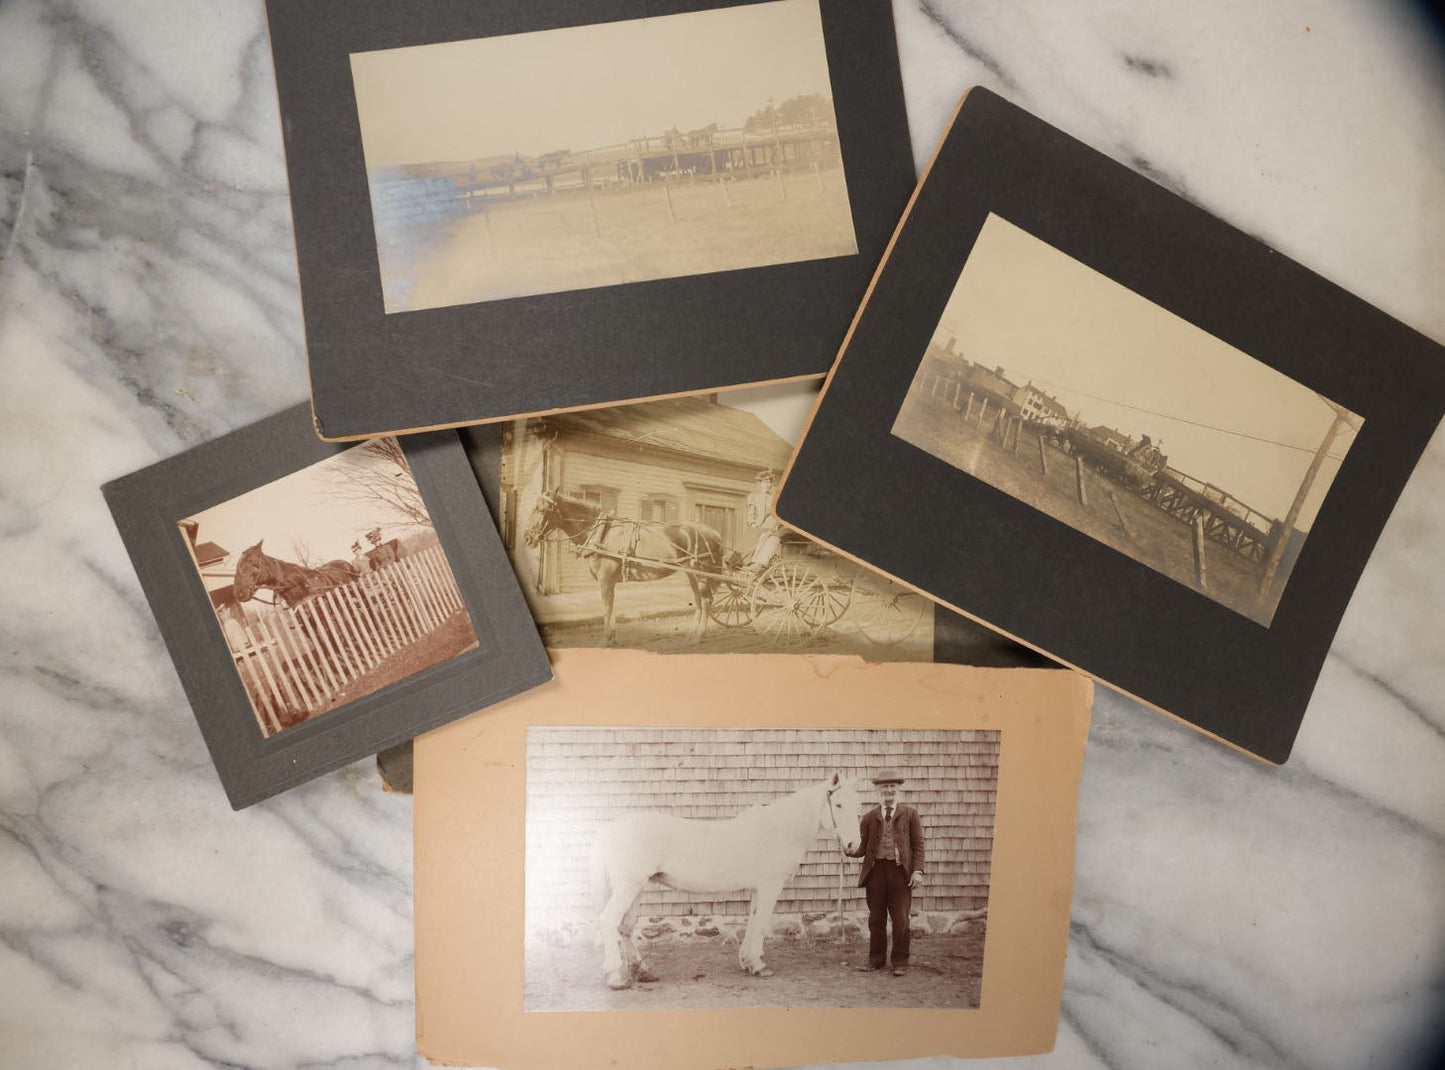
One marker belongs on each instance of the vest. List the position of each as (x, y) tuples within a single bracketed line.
[(887, 843)]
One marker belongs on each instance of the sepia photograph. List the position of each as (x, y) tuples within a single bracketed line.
[(650, 526), (1060, 387), (329, 584), (602, 154), (706, 868)]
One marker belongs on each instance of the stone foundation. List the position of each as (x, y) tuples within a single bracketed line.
[(730, 928)]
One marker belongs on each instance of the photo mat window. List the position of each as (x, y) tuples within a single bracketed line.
[(709, 790), (1079, 397), (329, 584), (598, 155)]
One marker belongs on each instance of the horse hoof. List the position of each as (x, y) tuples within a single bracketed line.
[(646, 976), (618, 983), (764, 972)]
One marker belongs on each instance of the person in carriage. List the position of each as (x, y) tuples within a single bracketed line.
[(759, 515)]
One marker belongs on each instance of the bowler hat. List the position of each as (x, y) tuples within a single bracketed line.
[(888, 776)]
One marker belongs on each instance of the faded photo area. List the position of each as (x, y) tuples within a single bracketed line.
[(712, 864), (329, 584), (1071, 393), (596, 155), (650, 526)]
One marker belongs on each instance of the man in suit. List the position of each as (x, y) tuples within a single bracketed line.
[(892, 851)]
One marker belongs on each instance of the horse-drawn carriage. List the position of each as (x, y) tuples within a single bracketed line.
[(792, 598)]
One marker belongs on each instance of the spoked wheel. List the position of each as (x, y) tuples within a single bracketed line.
[(730, 606), (789, 603), (836, 599), (888, 615)]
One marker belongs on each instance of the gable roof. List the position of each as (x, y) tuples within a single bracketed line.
[(209, 553), (695, 426)]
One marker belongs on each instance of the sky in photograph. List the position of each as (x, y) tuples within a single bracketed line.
[(1112, 357), (300, 506), (586, 87)]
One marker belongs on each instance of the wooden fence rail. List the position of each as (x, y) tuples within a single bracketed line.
[(295, 660)]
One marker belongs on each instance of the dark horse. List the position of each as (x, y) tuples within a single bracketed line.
[(618, 549), (291, 582)]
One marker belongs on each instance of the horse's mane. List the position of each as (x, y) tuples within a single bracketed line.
[(793, 798)]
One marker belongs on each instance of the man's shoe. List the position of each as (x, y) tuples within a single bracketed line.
[(868, 967), (899, 971)]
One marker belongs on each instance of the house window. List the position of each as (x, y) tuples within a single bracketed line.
[(605, 498), (659, 508)]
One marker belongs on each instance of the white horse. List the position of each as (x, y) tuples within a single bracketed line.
[(757, 850)]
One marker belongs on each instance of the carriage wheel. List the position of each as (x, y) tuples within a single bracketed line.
[(890, 615), (788, 603), (730, 606), (836, 599)]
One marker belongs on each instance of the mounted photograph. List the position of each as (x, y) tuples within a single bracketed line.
[(650, 526), (320, 603), (329, 584), (748, 860), (757, 867), (596, 155), (1061, 387)]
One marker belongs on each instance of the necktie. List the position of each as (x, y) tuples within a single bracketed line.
[(888, 815)]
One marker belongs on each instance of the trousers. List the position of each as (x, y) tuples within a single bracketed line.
[(889, 900)]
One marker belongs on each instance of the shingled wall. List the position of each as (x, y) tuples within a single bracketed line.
[(580, 778)]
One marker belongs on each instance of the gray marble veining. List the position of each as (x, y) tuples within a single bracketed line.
[(1225, 914)]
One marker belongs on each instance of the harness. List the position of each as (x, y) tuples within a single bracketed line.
[(690, 556)]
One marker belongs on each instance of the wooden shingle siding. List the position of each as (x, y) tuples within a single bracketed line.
[(580, 778)]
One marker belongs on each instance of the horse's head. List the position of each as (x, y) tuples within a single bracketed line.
[(545, 518), (843, 811), (250, 572)]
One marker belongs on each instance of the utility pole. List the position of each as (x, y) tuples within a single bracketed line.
[(1343, 419)]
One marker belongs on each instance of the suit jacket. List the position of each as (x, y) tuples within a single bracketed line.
[(907, 834)]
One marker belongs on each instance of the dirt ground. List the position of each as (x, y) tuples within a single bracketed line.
[(1153, 537), (548, 245), (945, 971), (911, 638)]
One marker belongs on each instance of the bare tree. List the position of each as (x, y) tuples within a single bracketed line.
[(302, 552), (379, 475)]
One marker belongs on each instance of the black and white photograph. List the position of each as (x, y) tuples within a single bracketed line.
[(589, 156), (650, 526), (1085, 400), (329, 584), (707, 868)]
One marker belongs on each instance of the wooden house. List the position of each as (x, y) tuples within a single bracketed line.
[(676, 459)]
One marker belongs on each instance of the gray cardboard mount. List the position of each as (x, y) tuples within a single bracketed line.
[(508, 659), (374, 373)]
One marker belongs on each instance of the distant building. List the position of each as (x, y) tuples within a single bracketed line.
[(944, 360), (991, 385), (1034, 404), (1112, 438)]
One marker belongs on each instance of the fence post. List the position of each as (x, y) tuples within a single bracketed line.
[(969, 411), (1079, 478), (1043, 461), (667, 191)]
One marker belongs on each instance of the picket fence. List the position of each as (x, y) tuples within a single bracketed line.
[(296, 660)]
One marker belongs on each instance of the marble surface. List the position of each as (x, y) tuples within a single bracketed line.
[(1226, 914)]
